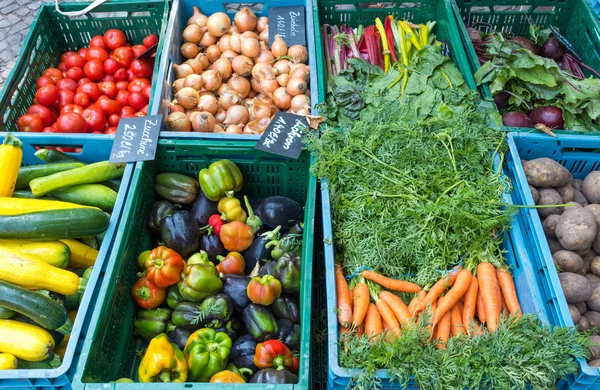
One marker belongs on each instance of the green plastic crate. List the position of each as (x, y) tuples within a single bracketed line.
[(110, 350), (354, 13), (52, 34)]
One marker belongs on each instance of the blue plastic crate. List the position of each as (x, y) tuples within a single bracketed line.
[(528, 284), (94, 148), (579, 154), (595, 6), (181, 11)]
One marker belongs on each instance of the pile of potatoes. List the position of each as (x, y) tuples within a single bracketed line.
[(573, 234)]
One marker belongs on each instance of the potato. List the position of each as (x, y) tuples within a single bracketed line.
[(549, 196), (581, 308), (583, 324), (580, 198), (595, 266), (576, 228), (594, 302), (591, 187), (554, 245), (549, 225), (577, 184), (534, 194), (593, 318), (587, 259), (596, 243), (569, 261), (594, 363), (566, 192), (545, 173), (595, 347), (583, 252), (594, 209), (576, 287), (575, 315), (592, 278)]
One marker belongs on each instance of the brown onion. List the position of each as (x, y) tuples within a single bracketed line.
[(234, 29), (236, 115), (211, 79), (282, 66), (204, 122), (298, 53), (224, 42), (252, 94), (239, 84), (263, 71), (194, 81), (187, 97), (192, 33), (242, 65), (207, 39), (245, 20), (183, 70), (255, 84), (218, 24), (297, 86), (203, 59), (302, 111), (178, 121), (259, 110), (209, 103), (265, 54), (257, 126), (282, 98), (223, 66), (198, 18), (229, 55), (267, 87), (219, 128), (189, 50), (213, 53), (223, 88), (283, 79), (221, 115), (175, 107), (279, 47), (262, 23), (250, 47), (264, 36), (192, 113), (250, 34), (302, 71), (234, 129), (177, 85), (235, 42), (300, 102), (195, 64), (229, 99)]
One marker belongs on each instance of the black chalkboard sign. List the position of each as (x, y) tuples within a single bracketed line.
[(289, 23), (284, 135), (136, 139)]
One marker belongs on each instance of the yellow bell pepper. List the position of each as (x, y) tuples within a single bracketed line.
[(163, 362), (11, 155), (231, 209)]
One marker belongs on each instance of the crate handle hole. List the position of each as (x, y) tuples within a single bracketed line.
[(234, 7), (345, 7), (511, 8), (106, 15), (547, 9), (140, 14)]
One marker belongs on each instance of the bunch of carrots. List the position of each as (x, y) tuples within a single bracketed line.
[(459, 303)]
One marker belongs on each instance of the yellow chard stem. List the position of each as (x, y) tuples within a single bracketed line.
[(384, 43)]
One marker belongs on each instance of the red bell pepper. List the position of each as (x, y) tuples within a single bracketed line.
[(164, 266), (216, 223), (232, 264), (274, 354), (265, 290), (236, 236), (147, 294)]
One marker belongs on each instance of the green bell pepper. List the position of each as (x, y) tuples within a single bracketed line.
[(219, 179), (260, 322), (287, 270), (199, 281), (151, 323), (213, 312), (206, 352), (199, 258), (176, 187), (174, 296)]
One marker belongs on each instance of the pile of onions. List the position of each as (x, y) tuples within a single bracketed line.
[(231, 81)]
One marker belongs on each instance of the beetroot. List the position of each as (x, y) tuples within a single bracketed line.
[(501, 100), (516, 119), (553, 49), (525, 43), (474, 35), (549, 116)]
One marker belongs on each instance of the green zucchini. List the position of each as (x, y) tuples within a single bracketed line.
[(88, 174), (51, 156), (30, 172), (42, 309), (54, 224), (72, 302), (26, 194), (47, 364), (113, 184), (6, 313), (95, 195), (91, 242)]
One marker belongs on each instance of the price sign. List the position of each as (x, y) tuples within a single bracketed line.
[(289, 23), (136, 139), (284, 135)]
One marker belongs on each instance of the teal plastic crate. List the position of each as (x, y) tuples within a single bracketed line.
[(181, 11), (52, 34), (109, 351), (94, 148)]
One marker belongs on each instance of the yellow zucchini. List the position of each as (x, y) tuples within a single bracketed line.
[(17, 206), (11, 155), (82, 256), (55, 253), (29, 272), (25, 341), (8, 361)]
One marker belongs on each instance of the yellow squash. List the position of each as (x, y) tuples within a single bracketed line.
[(82, 256), (17, 206), (55, 253), (11, 155), (25, 341), (8, 361)]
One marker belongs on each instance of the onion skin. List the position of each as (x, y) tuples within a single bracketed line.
[(268, 87), (265, 55), (234, 129), (221, 115), (224, 42), (208, 103), (211, 80), (175, 107), (204, 122), (240, 84), (236, 115), (198, 18), (177, 85), (262, 23), (178, 121), (263, 71), (264, 36), (183, 70), (207, 39), (299, 102), (229, 99), (229, 55), (213, 53), (223, 66), (218, 24), (194, 81), (301, 71), (219, 128), (192, 33), (187, 97), (283, 79), (282, 66), (245, 20), (257, 127), (235, 42), (297, 86), (189, 50), (298, 53), (250, 47), (203, 59), (282, 98), (279, 47), (242, 65), (195, 64)]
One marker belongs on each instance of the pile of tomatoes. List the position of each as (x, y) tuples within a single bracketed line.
[(93, 88)]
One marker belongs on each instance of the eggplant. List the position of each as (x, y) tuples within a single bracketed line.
[(286, 307), (203, 208), (289, 334), (211, 243), (258, 251), (242, 352), (280, 211), (180, 232), (235, 287), (160, 210), (273, 376), (178, 335), (267, 268)]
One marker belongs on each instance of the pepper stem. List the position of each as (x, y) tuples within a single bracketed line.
[(143, 293), (247, 202), (278, 363), (165, 376)]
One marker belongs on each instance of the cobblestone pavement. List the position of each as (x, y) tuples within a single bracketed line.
[(15, 18)]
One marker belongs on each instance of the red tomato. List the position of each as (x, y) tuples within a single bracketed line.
[(122, 85), (111, 66), (44, 80), (98, 41), (66, 84), (150, 40), (29, 123), (94, 70), (65, 97), (138, 50), (91, 89), (141, 68), (108, 88), (84, 80), (130, 75), (43, 112), (71, 122), (148, 91), (113, 120), (95, 118), (114, 38), (64, 55), (96, 53), (121, 75), (71, 108), (144, 109), (75, 73), (83, 51), (138, 85), (75, 60), (108, 106), (137, 100), (55, 114), (140, 114), (108, 77), (53, 73), (123, 98), (62, 67), (124, 56), (82, 99), (49, 129), (47, 95), (110, 130), (126, 112)]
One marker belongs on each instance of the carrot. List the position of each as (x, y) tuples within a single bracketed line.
[(373, 325), (478, 331), (470, 303), (499, 298), (434, 293), (415, 301), (462, 284), (361, 303), (343, 298), (398, 307), (456, 321), (388, 317), (480, 307), (487, 283), (509, 292), (360, 330), (443, 331), (351, 294), (343, 329), (391, 284)]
